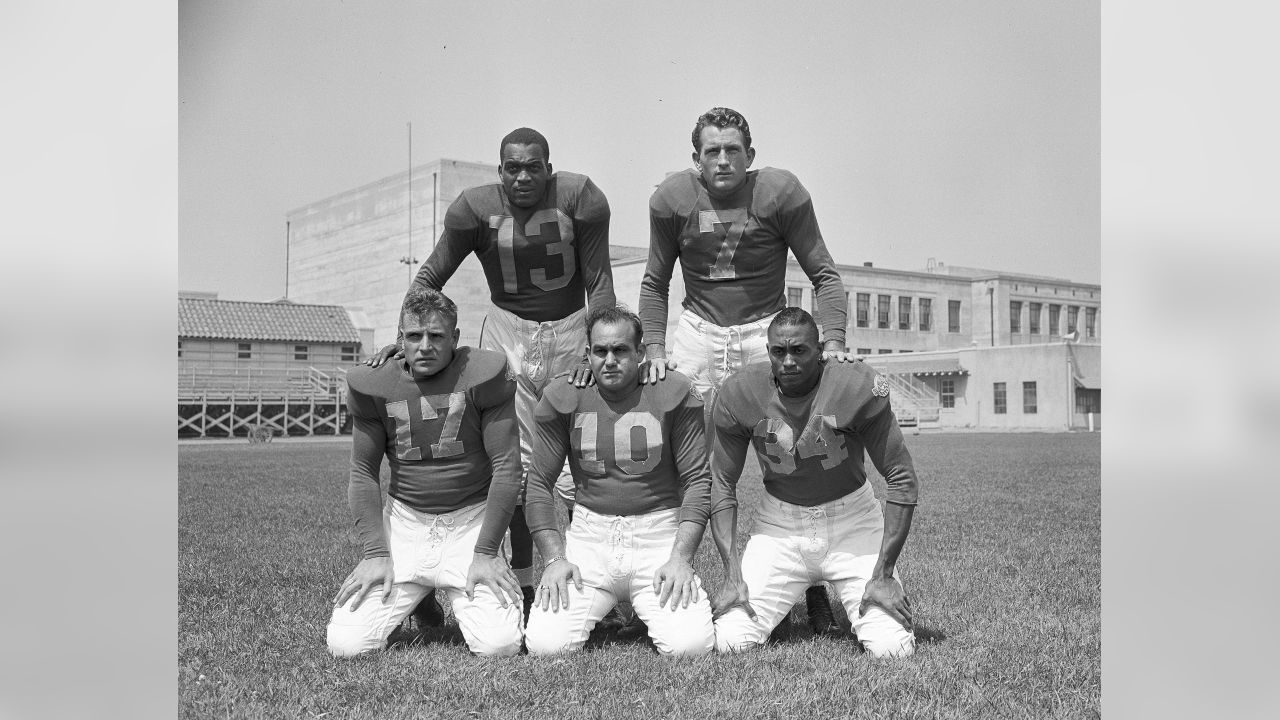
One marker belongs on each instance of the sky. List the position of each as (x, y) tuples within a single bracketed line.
[(968, 133)]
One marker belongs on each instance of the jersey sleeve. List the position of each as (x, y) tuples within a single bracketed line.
[(591, 228), (549, 448), (729, 443), (689, 450), (461, 226), (800, 227), (368, 444), (495, 401), (878, 429), (664, 248)]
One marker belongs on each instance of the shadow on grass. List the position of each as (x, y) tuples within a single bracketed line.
[(927, 634)]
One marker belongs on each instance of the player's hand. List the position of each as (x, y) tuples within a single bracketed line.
[(887, 593), (581, 375), (658, 364), (385, 354), (676, 580), (553, 590), (730, 595), (833, 351), (495, 573), (369, 574)]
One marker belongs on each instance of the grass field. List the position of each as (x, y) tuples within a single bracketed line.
[(1003, 567)]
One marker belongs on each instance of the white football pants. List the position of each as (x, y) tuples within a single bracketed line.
[(428, 552), (618, 557), (708, 354), (792, 547), (536, 352)]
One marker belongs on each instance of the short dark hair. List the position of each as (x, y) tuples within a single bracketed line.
[(615, 314), (795, 317), (421, 301), (525, 136), (721, 117)]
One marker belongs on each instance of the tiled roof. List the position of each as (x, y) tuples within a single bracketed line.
[(283, 321)]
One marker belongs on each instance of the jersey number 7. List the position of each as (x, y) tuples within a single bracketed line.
[(445, 427)]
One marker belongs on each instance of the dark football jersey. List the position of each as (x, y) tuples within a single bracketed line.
[(639, 455), (733, 252), (448, 439), (810, 448), (538, 261)]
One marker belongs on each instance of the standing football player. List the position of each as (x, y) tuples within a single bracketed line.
[(731, 229), (809, 422), (444, 417), (638, 458), (542, 238)]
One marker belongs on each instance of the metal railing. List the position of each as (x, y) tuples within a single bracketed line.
[(257, 382)]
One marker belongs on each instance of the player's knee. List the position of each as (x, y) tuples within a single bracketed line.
[(496, 644), (896, 645), (350, 640), (686, 644), (736, 632)]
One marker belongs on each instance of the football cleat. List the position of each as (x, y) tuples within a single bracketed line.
[(428, 613)]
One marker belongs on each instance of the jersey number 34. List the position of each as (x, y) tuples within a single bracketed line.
[(777, 446)]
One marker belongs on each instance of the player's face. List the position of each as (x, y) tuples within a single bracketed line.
[(795, 357), (615, 358), (524, 172), (723, 159), (429, 342)]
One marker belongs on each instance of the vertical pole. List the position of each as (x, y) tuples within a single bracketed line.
[(286, 258), (434, 202), (410, 256)]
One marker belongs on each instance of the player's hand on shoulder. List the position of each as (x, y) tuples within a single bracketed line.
[(887, 593), (553, 589), (657, 364), (676, 581), (581, 375), (729, 596), (371, 573), (835, 351), (493, 572), (383, 355)]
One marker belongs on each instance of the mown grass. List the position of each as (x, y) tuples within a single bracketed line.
[(1003, 566)]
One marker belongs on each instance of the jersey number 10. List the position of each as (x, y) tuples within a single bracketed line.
[(586, 441)]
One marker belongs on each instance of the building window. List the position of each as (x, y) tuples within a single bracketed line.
[(904, 313), (864, 310), (348, 353), (299, 352), (1090, 322), (1033, 321), (1015, 317), (1054, 312), (244, 351), (953, 316), (1073, 316), (926, 314), (1088, 401), (864, 351), (884, 351), (795, 296), (1001, 409), (179, 348), (882, 311), (1029, 398), (947, 392)]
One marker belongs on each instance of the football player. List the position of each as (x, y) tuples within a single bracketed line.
[(638, 458), (731, 229), (542, 238), (809, 422), (444, 417)]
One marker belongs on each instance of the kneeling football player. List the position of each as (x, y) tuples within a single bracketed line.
[(445, 420), (637, 453)]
